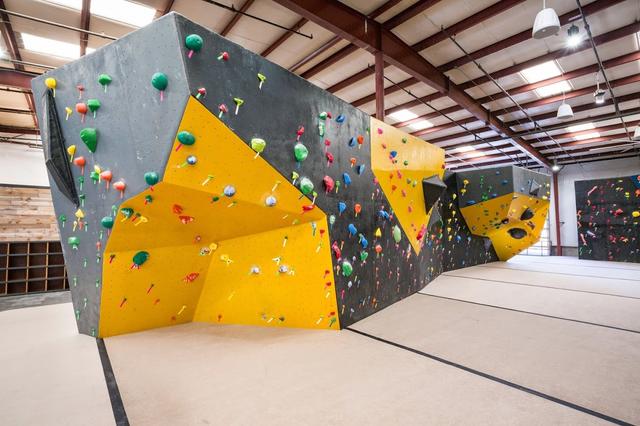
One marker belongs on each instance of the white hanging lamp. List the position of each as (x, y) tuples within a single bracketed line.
[(565, 112), (547, 23), (636, 134)]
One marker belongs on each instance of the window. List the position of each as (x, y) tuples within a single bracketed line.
[(125, 11), (50, 46)]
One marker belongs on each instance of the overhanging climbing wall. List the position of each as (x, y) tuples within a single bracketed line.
[(195, 181), (608, 213)]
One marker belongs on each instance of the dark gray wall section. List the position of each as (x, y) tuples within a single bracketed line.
[(135, 130)]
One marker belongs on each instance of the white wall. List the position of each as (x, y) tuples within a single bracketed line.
[(567, 196), (21, 165)]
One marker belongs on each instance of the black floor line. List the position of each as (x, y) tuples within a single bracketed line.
[(486, 265), (497, 379), (542, 286), (580, 265), (531, 313), (119, 413)]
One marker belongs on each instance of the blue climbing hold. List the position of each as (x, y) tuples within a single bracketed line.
[(342, 207), (352, 229), (383, 214), (346, 179), (470, 202), (340, 119), (360, 169), (352, 141)]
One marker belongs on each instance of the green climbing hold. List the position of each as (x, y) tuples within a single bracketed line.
[(347, 269), (151, 178), (127, 212), (104, 80), (301, 152), (107, 222), (139, 258), (306, 186), (74, 242), (404, 140), (160, 81), (186, 138), (323, 115), (397, 234), (94, 105), (258, 145), (89, 136), (364, 255), (193, 43)]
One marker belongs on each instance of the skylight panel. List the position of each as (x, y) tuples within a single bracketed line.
[(541, 72), (48, 46), (403, 115), (124, 11), (554, 89), (421, 125), (582, 127)]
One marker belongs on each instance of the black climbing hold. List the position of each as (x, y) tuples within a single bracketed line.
[(527, 214), (433, 188), (517, 233)]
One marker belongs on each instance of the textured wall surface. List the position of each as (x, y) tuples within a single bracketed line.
[(383, 243), (608, 213)]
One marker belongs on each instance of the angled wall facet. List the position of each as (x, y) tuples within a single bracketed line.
[(285, 206)]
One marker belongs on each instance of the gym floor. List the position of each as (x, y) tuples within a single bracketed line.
[(536, 340)]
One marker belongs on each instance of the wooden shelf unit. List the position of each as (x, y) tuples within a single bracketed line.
[(31, 267)]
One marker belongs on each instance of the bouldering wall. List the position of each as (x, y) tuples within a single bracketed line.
[(508, 205), (608, 213), (196, 181)]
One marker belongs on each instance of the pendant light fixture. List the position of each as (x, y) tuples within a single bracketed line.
[(636, 134), (599, 94), (547, 22), (565, 111)]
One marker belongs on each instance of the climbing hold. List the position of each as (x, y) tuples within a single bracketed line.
[(352, 229), (340, 118), (160, 82), (342, 206), (328, 183), (82, 109), (238, 102), (360, 169), (255, 270), (635, 214), (229, 191), (378, 233), (378, 248), (68, 111), (89, 136), (397, 234), (301, 152), (262, 78), (346, 179), (151, 178), (71, 150), (120, 186), (360, 140), (306, 186), (51, 83), (185, 138), (299, 132), (104, 80), (94, 106), (517, 233), (80, 89), (352, 141), (139, 258), (223, 56), (527, 214), (74, 242), (363, 255), (332, 219), (270, 201), (80, 162), (202, 92), (193, 42), (258, 145), (106, 176), (357, 208), (107, 222), (192, 160), (222, 109), (347, 269)]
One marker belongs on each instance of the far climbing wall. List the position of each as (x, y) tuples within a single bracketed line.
[(609, 219), (195, 181)]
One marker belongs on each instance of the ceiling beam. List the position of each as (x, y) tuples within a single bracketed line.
[(85, 22), (236, 17), (284, 37), (14, 130), (465, 24), (14, 52), (18, 79), (372, 36), (601, 39), (400, 18), (168, 7)]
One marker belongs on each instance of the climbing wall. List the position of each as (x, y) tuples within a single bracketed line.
[(195, 181), (508, 205), (608, 213)]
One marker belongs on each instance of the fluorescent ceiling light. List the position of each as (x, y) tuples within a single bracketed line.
[(465, 148), (125, 11), (403, 115), (541, 72), (553, 89), (52, 47), (581, 127), (420, 125)]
